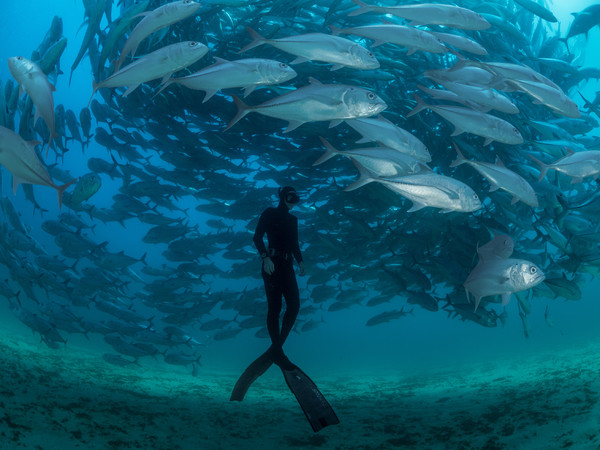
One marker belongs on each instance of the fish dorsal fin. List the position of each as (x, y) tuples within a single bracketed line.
[(314, 81), (220, 60), (384, 119), (499, 162), (569, 151)]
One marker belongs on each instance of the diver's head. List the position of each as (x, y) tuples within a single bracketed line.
[(288, 196)]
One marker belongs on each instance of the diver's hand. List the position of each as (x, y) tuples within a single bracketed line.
[(268, 266), (301, 266)]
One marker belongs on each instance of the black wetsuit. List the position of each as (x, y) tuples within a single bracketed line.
[(281, 228)]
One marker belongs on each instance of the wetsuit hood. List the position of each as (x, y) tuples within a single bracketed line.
[(288, 194)]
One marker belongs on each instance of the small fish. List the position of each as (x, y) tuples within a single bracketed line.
[(161, 17), (386, 134), (490, 127), (388, 316), (317, 101), (501, 246), (501, 178), (412, 38), (34, 82), (87, 186), (319, 47), (429, 14), (502, 276), (578, 165), (161, 63), (246, 73), (547, 317), (427, 189)]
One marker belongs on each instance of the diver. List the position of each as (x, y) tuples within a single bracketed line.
[(281, 229)]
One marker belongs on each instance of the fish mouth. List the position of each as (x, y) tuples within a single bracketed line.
[(538, 279)]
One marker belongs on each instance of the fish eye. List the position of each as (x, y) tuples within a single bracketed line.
[(533, 270), (371, 96), (19, 58), (370, 54), (475, 196), (193, 44), (283, 65)]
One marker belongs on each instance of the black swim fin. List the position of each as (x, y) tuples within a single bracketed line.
[(316, 408), (254, 370)]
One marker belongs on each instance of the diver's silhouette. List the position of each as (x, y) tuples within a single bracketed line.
[(281, 229)]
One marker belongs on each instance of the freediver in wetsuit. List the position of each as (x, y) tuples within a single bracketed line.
[(281, 229)]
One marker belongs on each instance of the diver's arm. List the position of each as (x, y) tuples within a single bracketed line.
[(296, 248), (260, 231)]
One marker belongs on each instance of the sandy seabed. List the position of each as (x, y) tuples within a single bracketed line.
[(63, 400)]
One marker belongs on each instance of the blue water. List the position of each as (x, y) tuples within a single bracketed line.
[(342, 346)]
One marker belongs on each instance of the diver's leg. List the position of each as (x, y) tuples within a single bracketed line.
[(274, 301), (292, 303)]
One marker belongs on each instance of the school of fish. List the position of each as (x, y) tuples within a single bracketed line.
[(408, 96)]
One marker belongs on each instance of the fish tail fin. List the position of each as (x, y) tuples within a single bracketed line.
[(421, 105), (330, 152), (566, 41), (243, 109), (61, 190), (477, 300), (543, 167), (52, 136), (334, 30), (364, 178), (587, 102), (94, 89), (364, 8), (460, 158), (257, 40)]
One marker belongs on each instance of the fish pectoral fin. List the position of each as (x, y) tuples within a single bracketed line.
[(299, 60), (450, 193), (335, 123), (249, 90), (16, 182), (504, 280), (166, 78), (292, 125), (505, 298), (487, 141), (208, 94), (130, 89), (336, 67), (494, 187), (457, 131), (416, 206)]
